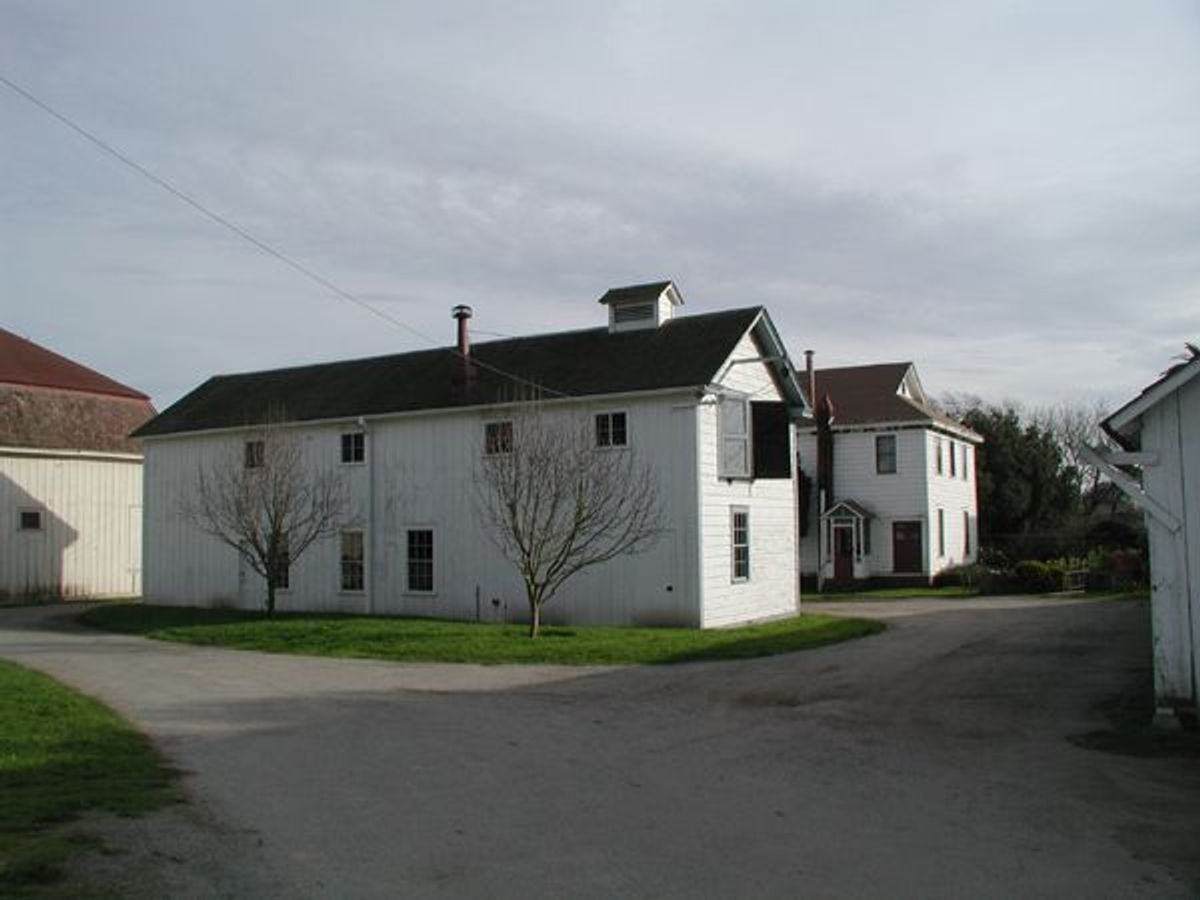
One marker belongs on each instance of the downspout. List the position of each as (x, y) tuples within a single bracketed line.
[(369, 573)]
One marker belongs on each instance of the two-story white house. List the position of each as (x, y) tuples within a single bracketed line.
[(890, 489), (707, 400)]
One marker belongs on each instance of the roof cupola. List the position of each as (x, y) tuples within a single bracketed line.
[(641, 306)]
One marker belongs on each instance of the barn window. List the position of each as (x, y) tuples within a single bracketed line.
[(420, 560), (255, 454), (30, 520), (739, 521), (354, 447), (498, 438), (353, 578), (734, 424), (610, 430), (885, 454)]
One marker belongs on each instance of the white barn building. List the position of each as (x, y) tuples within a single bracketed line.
[(70, 477), (1159, 432), (706, 399), (895, 500)]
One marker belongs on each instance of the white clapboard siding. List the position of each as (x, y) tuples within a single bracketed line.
[(772, 589), (89, 544)]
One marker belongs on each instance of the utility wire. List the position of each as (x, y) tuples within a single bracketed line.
[(245, 235)]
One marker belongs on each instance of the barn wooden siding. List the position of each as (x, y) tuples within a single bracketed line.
[(89, 543)]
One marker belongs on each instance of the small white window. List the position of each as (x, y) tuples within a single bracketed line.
[(739, 522), (352, 561), (30, 520), (420, 560), (734, 424), (498, 438), (354, 447), (611, 430)]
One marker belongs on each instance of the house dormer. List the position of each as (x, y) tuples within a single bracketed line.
[(641, 305)]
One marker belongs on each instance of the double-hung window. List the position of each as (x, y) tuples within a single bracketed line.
[(885, 454), (953, 459), (255, 454), (611, 430), (733, 415), (353, 570), (739, 526), (354, 447), (497, 438), (937, 454), (420, 560)]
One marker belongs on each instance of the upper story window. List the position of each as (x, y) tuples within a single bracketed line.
[(255, 454), (953, 459), (30, 520), (966, 462), (498, 438), (937, 454), (354, 447), (733, 414), (885, 454), (610, 430)]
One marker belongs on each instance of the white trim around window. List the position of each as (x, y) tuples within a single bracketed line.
[(421, 555), (352, 559), (612, 430), (739, 544)]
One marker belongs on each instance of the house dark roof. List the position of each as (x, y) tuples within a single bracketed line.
[(636, 293), (682, 352), (866, 395), (24, 362)]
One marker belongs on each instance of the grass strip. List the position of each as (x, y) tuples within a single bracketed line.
[(63, 755), (436, 640)]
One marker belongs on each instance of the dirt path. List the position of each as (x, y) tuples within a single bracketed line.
[(930, 761)]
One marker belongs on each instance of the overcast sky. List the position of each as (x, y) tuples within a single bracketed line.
[(1006, 193)]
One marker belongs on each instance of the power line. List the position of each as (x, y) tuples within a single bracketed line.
[(245, 235)]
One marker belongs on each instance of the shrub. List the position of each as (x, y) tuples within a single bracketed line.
[(1036, 577), (969, 575)]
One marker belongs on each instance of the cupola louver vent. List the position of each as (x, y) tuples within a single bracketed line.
[(639, 313)]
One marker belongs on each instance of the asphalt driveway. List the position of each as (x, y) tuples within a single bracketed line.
[(930, 761)]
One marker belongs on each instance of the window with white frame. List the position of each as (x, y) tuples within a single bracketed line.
[(420, 560), (353, 570), (966, 463), (953, 459), (354, 447), (255, 454), (733, 415), (498, 437), (611, 430), (937, 454), (739, 524), (29, 520), (885, 454)]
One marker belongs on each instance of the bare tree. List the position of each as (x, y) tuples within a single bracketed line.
[(1075, 425), (265, 502), (557, 503)]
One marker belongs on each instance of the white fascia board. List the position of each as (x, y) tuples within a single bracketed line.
[(1123, 419), (71, 454), (357, 420), (927, 425)]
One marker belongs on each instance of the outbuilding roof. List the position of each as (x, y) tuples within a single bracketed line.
[(682, 352), (871, 395), (24, 362), (1125, 424)]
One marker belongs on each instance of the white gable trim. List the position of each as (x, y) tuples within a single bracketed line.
[(1123, 419)]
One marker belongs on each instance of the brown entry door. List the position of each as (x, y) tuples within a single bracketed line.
[(843, 553), (906, 547)]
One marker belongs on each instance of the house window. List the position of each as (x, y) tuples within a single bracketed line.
[(352, 561), (966, 534), (941, 532), (937, 454), (739, 520), (885, 454), (354, 447), (283, 567), (420, 560), (610, 430), (254, 454), (953, 459), (30, 520), (966, 464), (734, 423), (497, 438)]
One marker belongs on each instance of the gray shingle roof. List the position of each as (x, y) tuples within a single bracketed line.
[(683, 352)]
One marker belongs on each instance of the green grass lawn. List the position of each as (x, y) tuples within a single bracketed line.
[(903, 593), (434, 640), (62, 755)]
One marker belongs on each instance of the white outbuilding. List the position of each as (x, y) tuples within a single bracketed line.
[(70, 477), (1159, 432), (707, 400)]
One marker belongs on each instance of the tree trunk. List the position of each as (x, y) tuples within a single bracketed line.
[(270, 596), (535, 614)]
